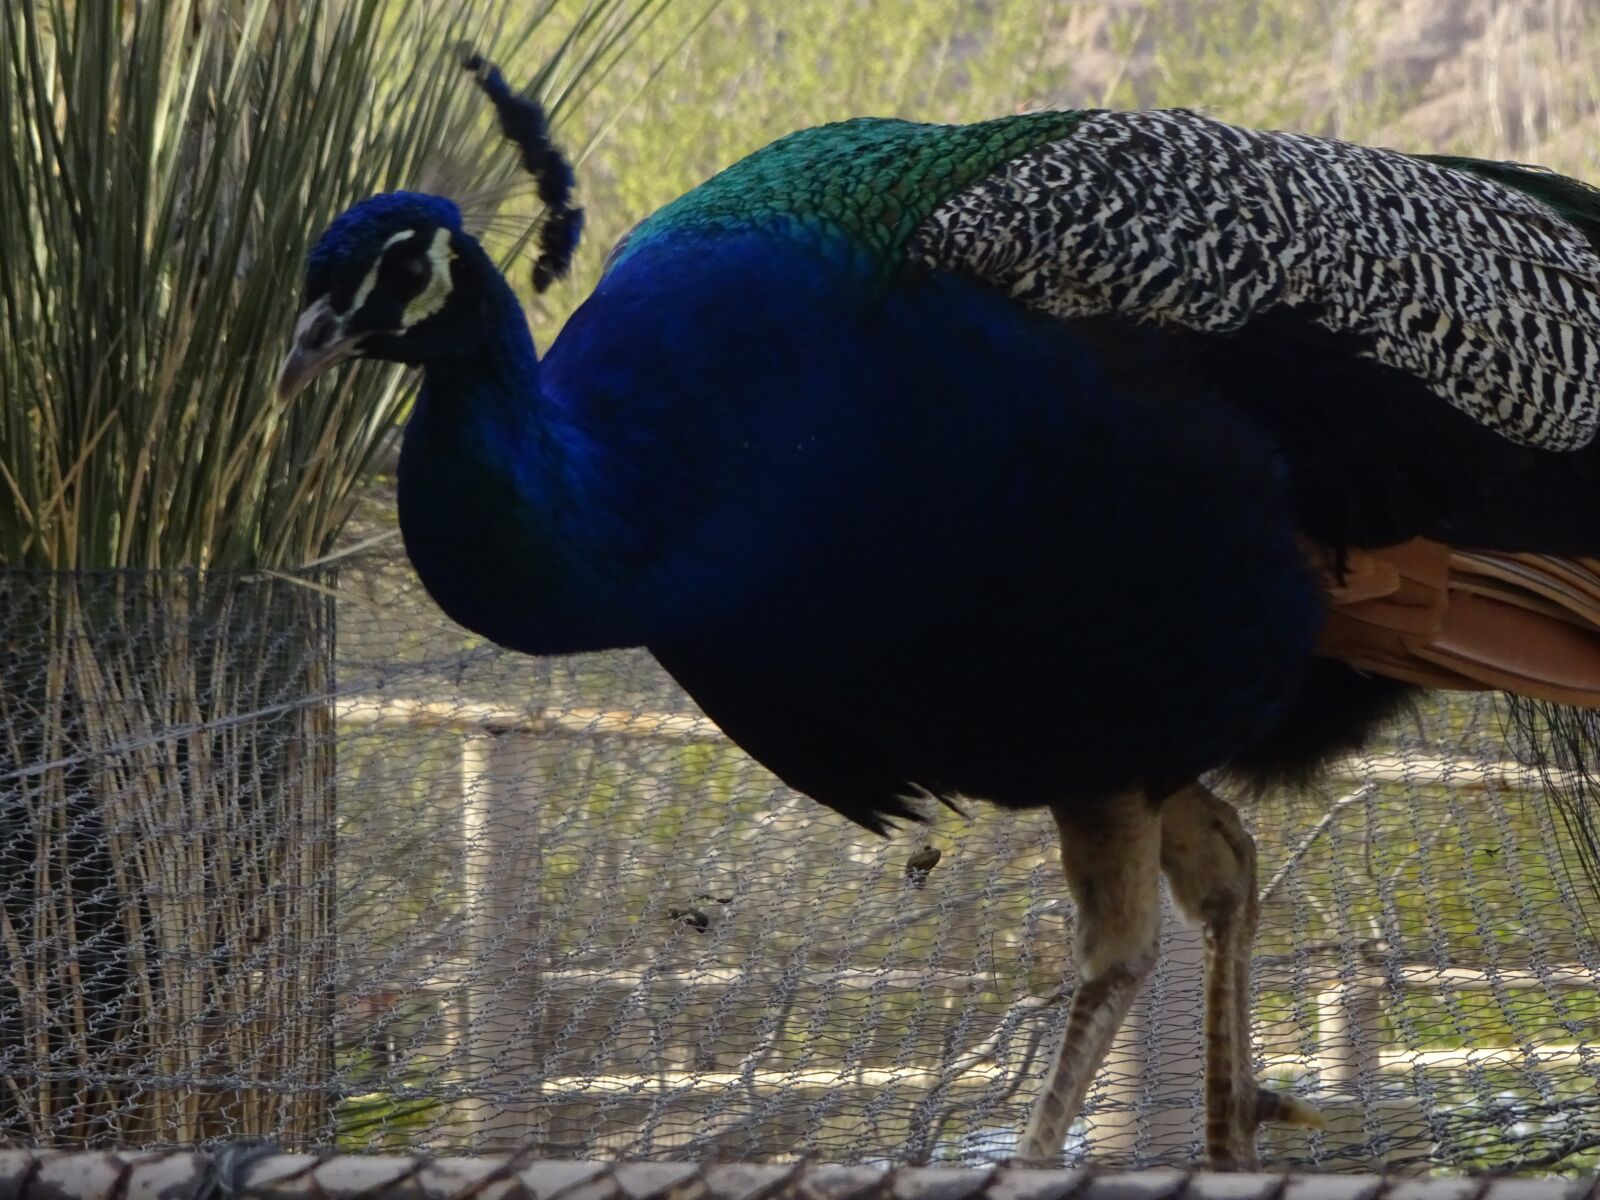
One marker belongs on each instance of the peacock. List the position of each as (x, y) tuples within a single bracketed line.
[(1191, 453)]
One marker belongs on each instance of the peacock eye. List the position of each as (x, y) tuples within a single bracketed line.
[(417, 268)]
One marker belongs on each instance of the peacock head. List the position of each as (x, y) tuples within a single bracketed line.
[(384, 282), (396, 277)]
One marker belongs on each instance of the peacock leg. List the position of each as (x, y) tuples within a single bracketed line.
[(1210, 861), (1111, 856)]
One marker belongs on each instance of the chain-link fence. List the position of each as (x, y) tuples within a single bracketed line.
[(296, 858)]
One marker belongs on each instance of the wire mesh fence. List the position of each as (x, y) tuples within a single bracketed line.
[(296, 858), (260, 1173)]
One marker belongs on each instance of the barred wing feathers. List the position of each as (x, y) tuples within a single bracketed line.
[(1484, 293)]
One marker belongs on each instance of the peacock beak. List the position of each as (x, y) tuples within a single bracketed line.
[(319, 343)]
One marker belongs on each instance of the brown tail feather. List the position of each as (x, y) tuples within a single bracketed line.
[(1468, 620), (1525, 624)]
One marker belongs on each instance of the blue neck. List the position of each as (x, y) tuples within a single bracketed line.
[(498, 506)]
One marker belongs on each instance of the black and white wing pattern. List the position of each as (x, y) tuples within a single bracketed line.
[(1480, 291)]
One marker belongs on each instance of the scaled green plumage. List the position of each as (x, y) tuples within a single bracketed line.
[(875, 179)]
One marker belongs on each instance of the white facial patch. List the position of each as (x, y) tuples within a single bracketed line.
[(432, 298), (371, 281)]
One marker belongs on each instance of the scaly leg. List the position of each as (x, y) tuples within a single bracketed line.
[(1111, 856), (1210, 861)]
